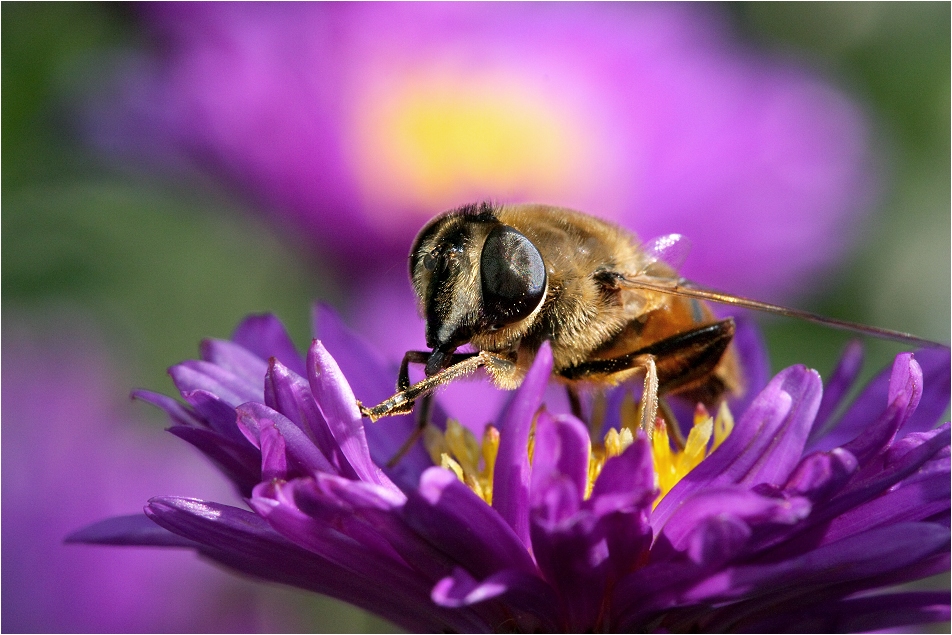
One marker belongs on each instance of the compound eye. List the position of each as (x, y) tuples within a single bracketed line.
[(513, 276)]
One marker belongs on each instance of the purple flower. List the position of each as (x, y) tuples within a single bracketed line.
[(781, 525), (70, 456), (367, 119)]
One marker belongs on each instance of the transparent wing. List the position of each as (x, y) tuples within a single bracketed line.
[(671, 250)]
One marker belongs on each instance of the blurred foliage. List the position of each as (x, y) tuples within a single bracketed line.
[(894, 58), (160, 265)]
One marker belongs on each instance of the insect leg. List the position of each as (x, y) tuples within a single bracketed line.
[(423, 420), (680, 363), (402, 402)]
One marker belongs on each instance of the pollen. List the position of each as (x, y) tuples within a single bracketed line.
[(474, 460), (673, 463)]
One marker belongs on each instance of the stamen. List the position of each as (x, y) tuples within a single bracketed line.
[(474, 461)]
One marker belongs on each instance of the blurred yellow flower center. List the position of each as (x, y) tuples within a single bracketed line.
[(473, 461), (433, 142)]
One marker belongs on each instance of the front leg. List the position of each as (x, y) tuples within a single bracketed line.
[(402, 401)]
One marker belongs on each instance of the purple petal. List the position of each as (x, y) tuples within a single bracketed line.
[(238, 460), (193, 375), (821, 474), (338, 406), (452, 518), (621, 501), (217, 415), (562, 449), (522, 591), (133, 530), (570, 551), (872, 553), (235, 359), (343, 502), (290, 394), (904, 391), (877, 613), (244, 541), (868, 407), (342, 549), (937, 386), (178, 413), (765, 445), (626, 481), (264, 335), (511, 475), (871, 482), (841, 380), (286, 452), (909, 501), (333, 508), (372, 380), (706, 519)]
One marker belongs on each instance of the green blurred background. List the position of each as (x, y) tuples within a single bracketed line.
[(154, 265)]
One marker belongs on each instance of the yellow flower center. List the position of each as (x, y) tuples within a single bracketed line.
[(431, 139), (473, 461)]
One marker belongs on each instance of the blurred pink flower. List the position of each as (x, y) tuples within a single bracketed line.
[(355, 123), (352, 124), (70, 456)]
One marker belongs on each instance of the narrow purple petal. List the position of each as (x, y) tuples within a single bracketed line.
[(562, 449), (245, 541), (765, 445), (521, 591), (192, 375), (290, 394), (909, 501), (264, 335), (752, 351), (218, 415), (511, 475), (937, 386), (344, 550), (627, 480), (177, 412), (873, 553), (238, 460), (452, 518), (235, 359), (905, 382), (621, 501), (286, 452), (876, 613), (903, 393), (570, 551), (133, 530), (871, 482), (841, 380), (819, 475), (373, 379), (338, 406), (332, 509), (905, 377), (727, 513)]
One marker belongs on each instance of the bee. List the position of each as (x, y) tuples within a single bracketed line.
[(503, 279)]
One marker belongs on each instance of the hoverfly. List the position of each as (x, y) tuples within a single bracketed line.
[(506, 278)]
